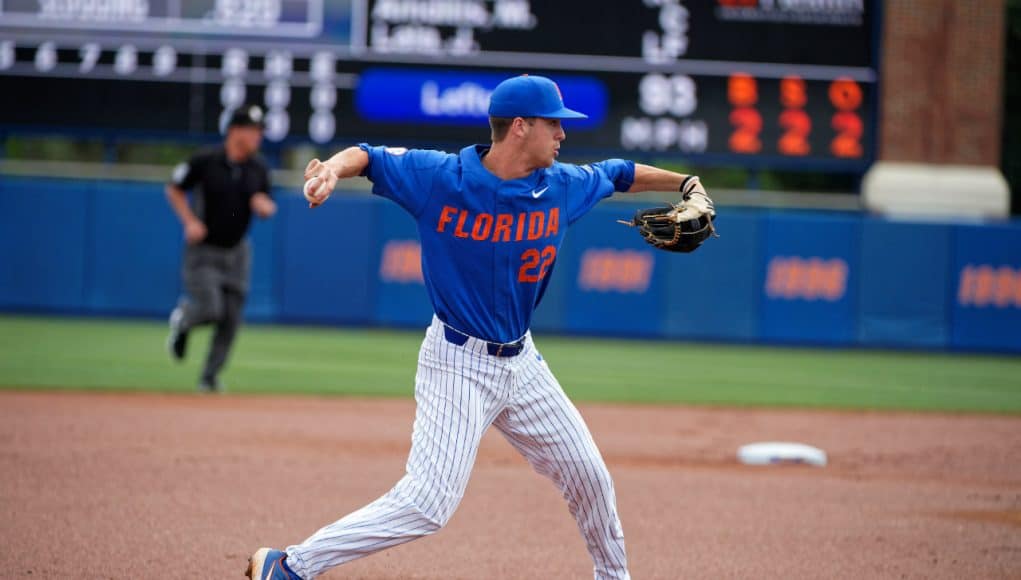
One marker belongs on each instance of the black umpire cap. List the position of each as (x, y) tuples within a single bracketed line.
[(248, 116)]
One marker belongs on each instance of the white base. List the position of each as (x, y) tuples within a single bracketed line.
[(773, 453), (921, 190)]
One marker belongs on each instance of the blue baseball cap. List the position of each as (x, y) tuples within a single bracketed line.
[(530, 96)]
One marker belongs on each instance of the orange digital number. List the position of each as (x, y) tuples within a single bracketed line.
[(536, 264), (845, 94), (796, 125), (849, 129), (742, 90), (792, 92), (747, 124)]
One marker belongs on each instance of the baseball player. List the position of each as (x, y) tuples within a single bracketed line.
[(491, 221), (230, 184)]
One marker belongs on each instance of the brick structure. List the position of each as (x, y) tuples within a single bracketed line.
[(942, 81), (940, 133)]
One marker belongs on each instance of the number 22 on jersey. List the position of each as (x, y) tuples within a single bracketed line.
[(535, 264)]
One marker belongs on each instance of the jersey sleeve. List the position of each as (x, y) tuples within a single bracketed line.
[(187, 174), (596, 181), (403, 175)]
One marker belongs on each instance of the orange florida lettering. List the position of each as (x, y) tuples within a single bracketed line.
[(445, 217), (480, 230), (459, 230), (536, 220), (501, 227), (501, 233)]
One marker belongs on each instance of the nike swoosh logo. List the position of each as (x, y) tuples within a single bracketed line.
[(536, 194)]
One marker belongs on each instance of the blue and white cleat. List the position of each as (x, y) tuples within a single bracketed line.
[(268, 564)]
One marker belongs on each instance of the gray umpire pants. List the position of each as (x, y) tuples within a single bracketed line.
[(216, 280)]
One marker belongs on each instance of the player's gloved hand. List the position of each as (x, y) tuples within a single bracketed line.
[(680, 227), (696, 202), (320, 180)]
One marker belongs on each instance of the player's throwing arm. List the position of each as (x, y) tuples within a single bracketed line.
[(321, 176)]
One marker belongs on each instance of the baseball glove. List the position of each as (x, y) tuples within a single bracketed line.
[(681, 227)]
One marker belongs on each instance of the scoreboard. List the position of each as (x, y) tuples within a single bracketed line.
[(762, 82)]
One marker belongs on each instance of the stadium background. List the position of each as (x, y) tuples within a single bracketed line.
[(830, 107), (866, 159)]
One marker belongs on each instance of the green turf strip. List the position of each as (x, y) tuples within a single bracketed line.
[(109, 355)]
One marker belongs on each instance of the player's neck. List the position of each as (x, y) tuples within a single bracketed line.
[(507, 163), (234, 153)]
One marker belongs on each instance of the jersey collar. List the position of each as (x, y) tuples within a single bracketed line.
[(471, 158)]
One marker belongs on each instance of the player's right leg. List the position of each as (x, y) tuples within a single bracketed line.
[(545, 427), (458, 395), (203, 280)]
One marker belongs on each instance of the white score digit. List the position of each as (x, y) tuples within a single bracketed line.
[(278, 94), (235, 62), (323, 66), (321, 126), (164, 61), (126, 60), (278, 123), (654, 94), (6, 54), (46, 57), (323, 96), (684, 101), (659, 94), (232, 94), (278, 65), (89, 54)]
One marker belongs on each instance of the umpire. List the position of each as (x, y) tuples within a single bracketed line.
[(229, 183)]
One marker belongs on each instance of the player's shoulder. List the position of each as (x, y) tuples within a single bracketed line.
[(208, 153), (431, 157), (412, 155), (195, 167), (408, 160)]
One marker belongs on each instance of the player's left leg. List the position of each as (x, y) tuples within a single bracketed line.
[(458, 393), (545, 427), (236, 269), (223, 338)]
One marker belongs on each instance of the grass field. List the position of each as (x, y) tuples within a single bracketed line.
[(117, 355)]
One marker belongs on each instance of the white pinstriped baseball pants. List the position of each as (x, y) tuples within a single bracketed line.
[(460, 391)]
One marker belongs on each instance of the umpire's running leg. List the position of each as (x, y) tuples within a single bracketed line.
[(216, 281)]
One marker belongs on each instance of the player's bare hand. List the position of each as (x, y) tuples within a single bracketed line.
[(194, 232), (314, 168), (263, 205), (319, 183)]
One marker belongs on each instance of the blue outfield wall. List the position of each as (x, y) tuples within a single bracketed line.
[(834, 279)]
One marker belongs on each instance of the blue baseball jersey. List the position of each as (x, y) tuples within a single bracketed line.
[(489, 245)]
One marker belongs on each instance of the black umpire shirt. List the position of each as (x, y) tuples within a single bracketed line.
[(222, 192)]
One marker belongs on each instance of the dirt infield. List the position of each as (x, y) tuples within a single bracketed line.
[(147, 486)]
